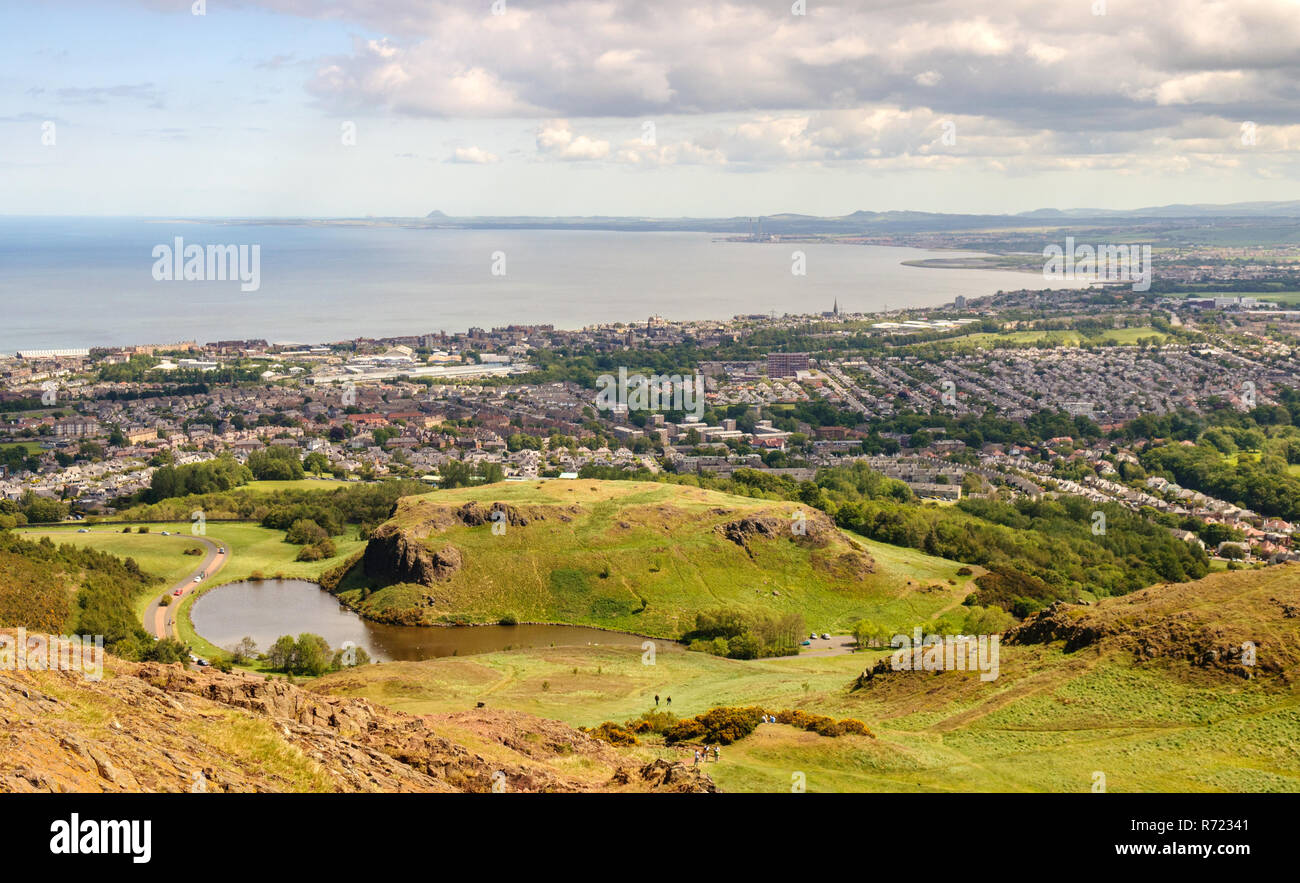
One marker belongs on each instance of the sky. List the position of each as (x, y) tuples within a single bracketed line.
[(349, 108)]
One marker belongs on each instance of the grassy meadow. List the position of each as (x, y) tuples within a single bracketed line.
[(646, 557)]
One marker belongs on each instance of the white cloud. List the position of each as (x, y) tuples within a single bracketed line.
[(556, 140), (473, 155)]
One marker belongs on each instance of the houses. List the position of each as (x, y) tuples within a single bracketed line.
[(77, 427)]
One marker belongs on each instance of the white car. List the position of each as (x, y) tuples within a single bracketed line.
[(198, 579), (826, 636)]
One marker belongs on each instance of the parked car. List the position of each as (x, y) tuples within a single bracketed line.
[(179, 592), (826, 636), (83, 530), (166, 533), (198, 579)]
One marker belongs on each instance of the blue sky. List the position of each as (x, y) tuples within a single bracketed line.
[(948, 105)]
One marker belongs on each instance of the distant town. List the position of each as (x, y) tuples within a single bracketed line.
[(919, 396)]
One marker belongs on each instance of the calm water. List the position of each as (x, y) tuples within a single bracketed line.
[(266, 610), (70, 282)]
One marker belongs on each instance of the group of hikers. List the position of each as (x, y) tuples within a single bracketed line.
[(707, 749), (701, 756)]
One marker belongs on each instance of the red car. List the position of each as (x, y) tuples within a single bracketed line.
[(179, 592)]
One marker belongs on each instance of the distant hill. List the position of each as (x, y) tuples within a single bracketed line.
[(635, 556), (871, 222)]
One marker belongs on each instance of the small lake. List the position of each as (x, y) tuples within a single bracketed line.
[(268, 609)]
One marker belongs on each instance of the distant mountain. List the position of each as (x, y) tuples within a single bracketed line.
[(869, 222)]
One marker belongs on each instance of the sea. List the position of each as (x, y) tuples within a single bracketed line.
[(87, 282)]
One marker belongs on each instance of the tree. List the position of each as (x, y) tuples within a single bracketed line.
[(276, 463), (311, 655), (244, 651), (281, 654), (305, 532)]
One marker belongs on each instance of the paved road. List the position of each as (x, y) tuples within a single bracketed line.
[(159, 620), (838, 645)]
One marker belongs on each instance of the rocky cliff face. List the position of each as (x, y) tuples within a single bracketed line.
[(395, 555), (404, 554), (151, 727)]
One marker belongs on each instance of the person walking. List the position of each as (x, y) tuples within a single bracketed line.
[(656, 700), (670, 702)]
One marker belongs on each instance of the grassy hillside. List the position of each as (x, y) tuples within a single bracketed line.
[(150, 727), (634, 556), (1147, 689)]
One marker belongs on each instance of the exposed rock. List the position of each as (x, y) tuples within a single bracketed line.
[(335, 743), (666, 775), (394, 555)]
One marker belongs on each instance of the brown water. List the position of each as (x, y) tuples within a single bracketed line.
[(268, 609)]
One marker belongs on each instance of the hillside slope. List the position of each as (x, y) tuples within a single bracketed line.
[(635, 556), (151, 727), (1148, 689)]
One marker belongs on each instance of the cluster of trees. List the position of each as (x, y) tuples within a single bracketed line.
[(276, 463), (745, 634), (1264, 485), (315, 541), (31, 508), (966, 620), (454, 473), (73, 590), (1038, 550), (211, 476), (307, 655), (364, 504)]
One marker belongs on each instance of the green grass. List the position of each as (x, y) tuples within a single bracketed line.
[(252, 548), (646, 557), (1046, 725), (156, 554), (1048, 722), (1279, 297), (301, 484), (1112, 337)]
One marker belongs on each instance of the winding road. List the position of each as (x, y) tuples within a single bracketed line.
[(158, 619)]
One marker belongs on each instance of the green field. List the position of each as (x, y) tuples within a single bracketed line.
[(253, 549), (1049, 722), (1112, 337), (1278, 297), (646, 557)]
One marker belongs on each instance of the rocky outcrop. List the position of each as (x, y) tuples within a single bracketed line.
[(1224, 624), (811, 528), (153, 727), (394, 555)]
